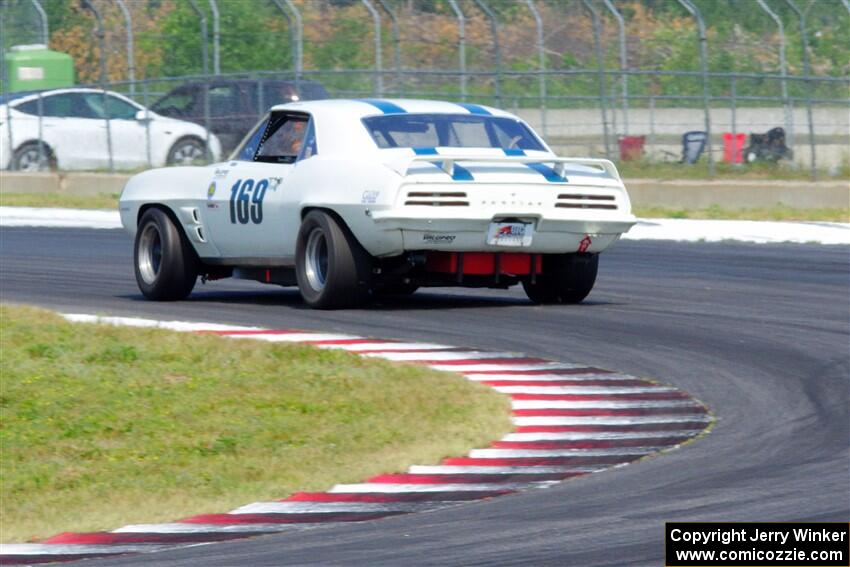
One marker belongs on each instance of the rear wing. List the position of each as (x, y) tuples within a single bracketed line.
[(447, 162)]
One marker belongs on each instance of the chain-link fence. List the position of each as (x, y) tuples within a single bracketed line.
[(597, 97)]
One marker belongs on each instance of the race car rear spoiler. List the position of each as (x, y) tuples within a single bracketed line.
[(559, 164)]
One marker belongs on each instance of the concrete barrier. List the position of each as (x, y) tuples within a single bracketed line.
[(690, 194)]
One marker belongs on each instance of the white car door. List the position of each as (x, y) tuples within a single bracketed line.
[(248, 196), (129, 147), (71, 129)]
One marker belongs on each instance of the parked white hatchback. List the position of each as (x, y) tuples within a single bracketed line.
[(67, 129)]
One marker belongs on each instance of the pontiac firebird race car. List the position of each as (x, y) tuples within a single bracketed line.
[(353, 198)]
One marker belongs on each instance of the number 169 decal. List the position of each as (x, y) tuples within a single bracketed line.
[(246, 201)]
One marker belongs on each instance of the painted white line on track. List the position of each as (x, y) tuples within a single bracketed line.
[(464, 368), (59, 218), (609, 420), (187, 528), (335, 507), (471, 469), (80, 548), (554, 390), (382, 487), (478, 377), (292, 337), (182, 326), (437, 355), (524, 453), (601, 404), (596, 436), (387, 346)]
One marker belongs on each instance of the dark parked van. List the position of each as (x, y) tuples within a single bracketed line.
[(235, 104)]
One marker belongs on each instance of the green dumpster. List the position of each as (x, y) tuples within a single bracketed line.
[(34, 67)]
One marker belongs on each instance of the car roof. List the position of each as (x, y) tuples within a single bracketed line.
[(11, 97), (362, 108)]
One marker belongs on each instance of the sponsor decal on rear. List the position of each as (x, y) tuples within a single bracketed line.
[(211, 190), (438, 238), (585, 243)]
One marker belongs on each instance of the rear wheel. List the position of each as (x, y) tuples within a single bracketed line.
[(34, 156), (166, 265), (187, 151), (331, 267), (566, 278)]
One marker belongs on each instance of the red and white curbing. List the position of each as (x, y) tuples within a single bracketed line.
[(570, 419)]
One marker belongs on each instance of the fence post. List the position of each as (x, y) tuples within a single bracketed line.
[(206, 71), (292, 40), (624, 62), (541, 63), (497, 52), (204, 37), (808, 71), (216, 37), (131, 67), (42, 16), (5, 77), (703, 61), (396, 42), (299, 35), (101, 37), (734, 119), (651, 143), (783, 70), (379, 78), (600, 63), (148, 124), (461, 29)]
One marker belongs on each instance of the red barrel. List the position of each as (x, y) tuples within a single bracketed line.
[(631, 147), (732, 146)]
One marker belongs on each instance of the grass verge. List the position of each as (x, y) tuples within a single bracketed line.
[(779, 213), (104, 426), (63, 200)]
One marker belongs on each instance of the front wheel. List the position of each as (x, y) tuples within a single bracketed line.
[(166, 265), (566, 278), (331, 267)]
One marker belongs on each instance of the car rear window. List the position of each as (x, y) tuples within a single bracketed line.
[(450, 130)]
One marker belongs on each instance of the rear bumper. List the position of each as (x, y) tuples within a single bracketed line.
[(551, 236)]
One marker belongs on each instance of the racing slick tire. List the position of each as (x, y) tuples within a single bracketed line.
[(166, 265), (566, 278), (331, 267)]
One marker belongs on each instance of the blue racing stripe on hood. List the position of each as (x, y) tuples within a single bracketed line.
[(474, 108), (459, 173), (384, 106)]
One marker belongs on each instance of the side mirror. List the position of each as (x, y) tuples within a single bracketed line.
[(144, 116)]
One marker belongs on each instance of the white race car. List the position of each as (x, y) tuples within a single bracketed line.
[(353, 198)]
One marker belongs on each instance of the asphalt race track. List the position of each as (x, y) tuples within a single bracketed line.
[(760, 333)]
